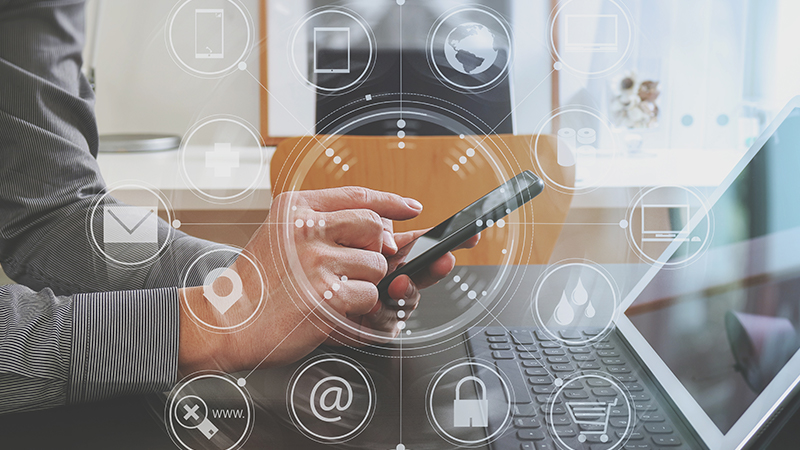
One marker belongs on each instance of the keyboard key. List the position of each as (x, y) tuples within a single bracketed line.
[(527, 348), (639, 446), (548, 399), (618, 422), (546, 380), (577, 384), (640, 397), (633, 387), (530, 435), (618, 411), (554, 352), (541, 335), (527, 446), (580, 358), (604, 346), (527, 423), (592, 331), (607, 353), (658, 428), (536, 370), (503, 355), (558, 420), (635, 436), (579, 350), (556, 409), (498, 340), (626, 378), (597, 382), (545, 446), (524, 410), (546, 389), (575, 395), (549, 344), (500, 346), (613, 361), (604, 392), (495, 332), (511, 370), (651, 417), (644, 407), (522, 337), (570, 334), (530, 356), (667, 441), (558, 360), (591, 365), (566, 432), (619, 369), (562, 368)]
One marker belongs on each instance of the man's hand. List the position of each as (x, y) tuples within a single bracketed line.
[(313, 274)]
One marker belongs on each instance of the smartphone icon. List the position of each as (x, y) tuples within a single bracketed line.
[(209, 33)]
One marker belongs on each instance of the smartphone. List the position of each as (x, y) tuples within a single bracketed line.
[(464, 224)]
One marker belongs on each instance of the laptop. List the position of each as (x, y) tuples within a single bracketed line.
[(702, 354)]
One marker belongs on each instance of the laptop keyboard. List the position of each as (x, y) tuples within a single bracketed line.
[(588, 413)]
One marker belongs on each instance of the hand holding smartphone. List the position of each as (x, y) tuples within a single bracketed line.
[(460, 227)]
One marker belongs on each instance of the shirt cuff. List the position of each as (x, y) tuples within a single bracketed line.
[(123, 343)]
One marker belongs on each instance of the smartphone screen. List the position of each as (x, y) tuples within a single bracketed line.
[(461, 226)]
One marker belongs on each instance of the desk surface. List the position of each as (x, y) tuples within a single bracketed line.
[(136, 422)]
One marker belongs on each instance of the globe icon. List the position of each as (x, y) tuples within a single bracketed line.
[(470, 48)]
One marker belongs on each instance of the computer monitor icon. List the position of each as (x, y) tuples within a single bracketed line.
[(591, 33), (664, 222), (327, 39)]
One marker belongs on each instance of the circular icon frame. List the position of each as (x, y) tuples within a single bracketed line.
[(186, 67), (91, 218), (173, 400), (336, 359), (568, 265), (431, 51), (224, 271)]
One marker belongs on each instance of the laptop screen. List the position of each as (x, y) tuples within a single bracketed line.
[(726, 323)]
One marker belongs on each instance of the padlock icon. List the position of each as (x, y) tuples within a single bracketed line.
[(471, 413)]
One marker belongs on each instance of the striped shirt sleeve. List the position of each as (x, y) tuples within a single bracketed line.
[(76, 328)]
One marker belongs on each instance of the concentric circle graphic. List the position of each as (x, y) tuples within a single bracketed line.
[(342, 54), (210, 39), (669, 225), (588, 39), (209, 410), (591, 416), (470, 152), (585, 145), (469, 403), (223, 159), (469, 49), (331, 398), (576, 302), (130, 234), (231, 309)]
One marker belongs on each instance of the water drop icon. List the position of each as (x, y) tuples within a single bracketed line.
[(590, 311), (564, 313), (579, 294)]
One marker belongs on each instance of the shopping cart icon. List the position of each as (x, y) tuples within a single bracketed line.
[(593, 414)]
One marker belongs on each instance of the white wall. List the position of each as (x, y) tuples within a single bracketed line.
[(140, 89)]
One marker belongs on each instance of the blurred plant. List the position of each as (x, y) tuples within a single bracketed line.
[(634, 102)]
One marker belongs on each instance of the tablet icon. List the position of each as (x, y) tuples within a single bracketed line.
[(328, 59), (130, 225), (191, 413)]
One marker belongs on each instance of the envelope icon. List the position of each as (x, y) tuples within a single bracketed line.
[(130, 225)]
